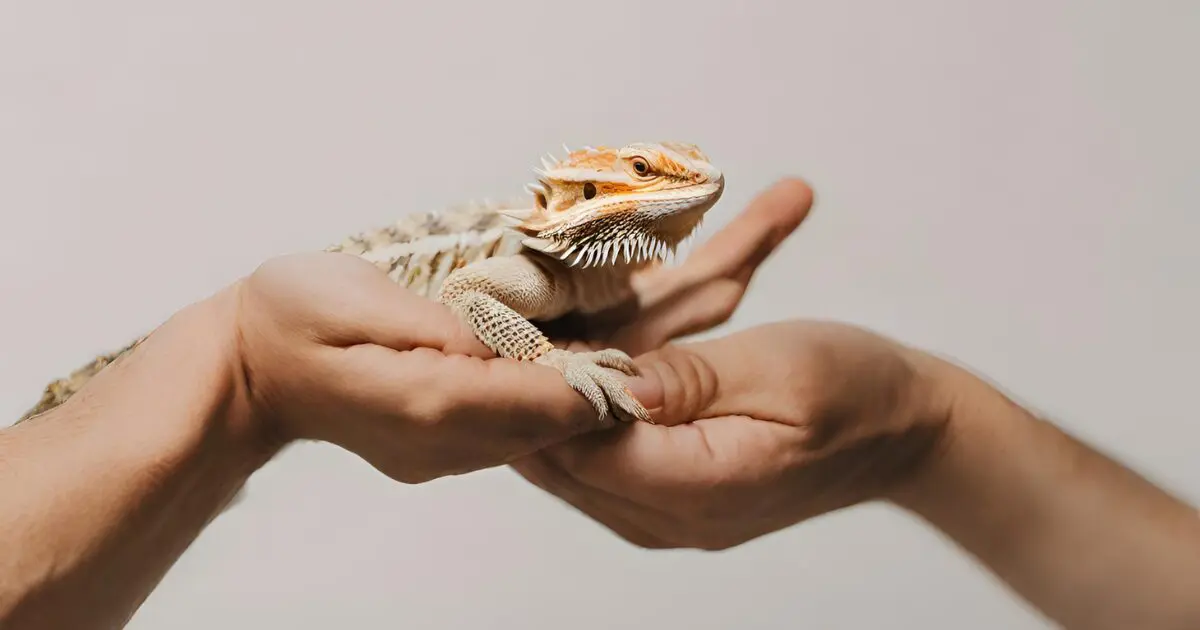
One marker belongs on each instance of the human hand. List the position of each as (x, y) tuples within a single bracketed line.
[(332, 350), (700, 293), (755, 432), (336, 352)]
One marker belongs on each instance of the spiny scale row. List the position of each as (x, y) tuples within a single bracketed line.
[(549, 161)]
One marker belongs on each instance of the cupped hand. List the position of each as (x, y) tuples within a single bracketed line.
[(332, 350), (756, 431), (701, 292)]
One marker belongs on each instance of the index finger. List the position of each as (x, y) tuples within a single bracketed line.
[(706, 289), (745, 243), (524, 404), (742, 246), (503, 407), (342, 300)]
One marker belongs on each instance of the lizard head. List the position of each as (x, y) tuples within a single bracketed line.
[(629, 205)]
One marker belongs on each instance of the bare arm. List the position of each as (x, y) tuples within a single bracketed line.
[(99, 497), (771, 426), (1082, 538)]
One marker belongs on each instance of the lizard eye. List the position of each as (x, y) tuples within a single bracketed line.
[(589, 190), (641, 165)]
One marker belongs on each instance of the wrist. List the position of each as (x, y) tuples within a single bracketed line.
[(1086, 541), (984, 462), (102, 493), (953, 400), (236, 417), (185, 388)]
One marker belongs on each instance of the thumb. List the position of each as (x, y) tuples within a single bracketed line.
[(680, 383)]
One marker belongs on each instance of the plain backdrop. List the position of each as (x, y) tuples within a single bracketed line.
[(1013, 184)]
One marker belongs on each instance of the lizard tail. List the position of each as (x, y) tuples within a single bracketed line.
[(59, 391)]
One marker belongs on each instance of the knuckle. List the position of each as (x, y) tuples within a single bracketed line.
[(433, 396), (699, 382)]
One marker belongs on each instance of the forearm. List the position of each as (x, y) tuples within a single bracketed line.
[(99, 497), (1085, 540)]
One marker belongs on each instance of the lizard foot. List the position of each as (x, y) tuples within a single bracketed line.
[(597, 376)]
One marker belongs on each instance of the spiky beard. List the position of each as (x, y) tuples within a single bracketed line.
[(617, 238)]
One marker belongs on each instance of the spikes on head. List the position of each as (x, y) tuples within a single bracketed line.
[(634, 204)]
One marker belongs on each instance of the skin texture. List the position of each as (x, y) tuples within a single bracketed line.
[(1088, 541), (599, 216), (757, 430), (595, 221), (100, 495), (768, 427)]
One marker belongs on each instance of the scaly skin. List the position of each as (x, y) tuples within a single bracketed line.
[(597, 216)]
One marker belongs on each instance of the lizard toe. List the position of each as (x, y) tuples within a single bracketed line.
[(603, 386), (614, 359)]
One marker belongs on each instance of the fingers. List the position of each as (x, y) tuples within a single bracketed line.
[(407, 364), (384, 313), (742, 246), (706, 290), (685, 382), (525, 405), (342, 300), (505, 406), (721, 434)]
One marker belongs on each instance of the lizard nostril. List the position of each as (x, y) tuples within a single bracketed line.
[(589, 190)]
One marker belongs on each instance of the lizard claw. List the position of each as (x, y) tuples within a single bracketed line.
[(613, 359), (597, 376)]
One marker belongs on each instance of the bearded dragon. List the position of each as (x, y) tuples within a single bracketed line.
[(597, 216)]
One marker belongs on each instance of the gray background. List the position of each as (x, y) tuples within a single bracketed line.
[(1011, 183)]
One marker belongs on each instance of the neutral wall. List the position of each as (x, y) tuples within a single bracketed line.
[(1012, 183)]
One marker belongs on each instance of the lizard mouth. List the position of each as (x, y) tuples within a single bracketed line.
[(632, 248), (652, 233)]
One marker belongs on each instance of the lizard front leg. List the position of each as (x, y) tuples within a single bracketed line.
[(497, 297)]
